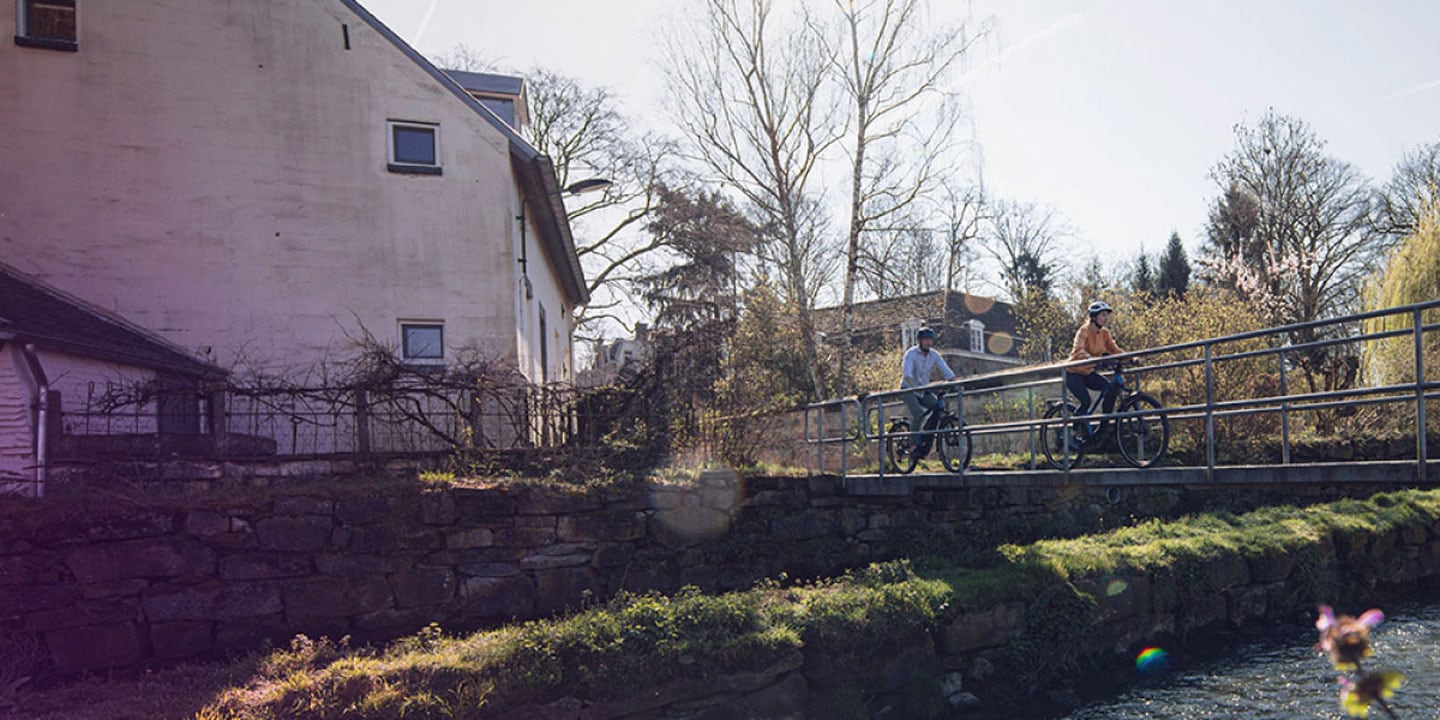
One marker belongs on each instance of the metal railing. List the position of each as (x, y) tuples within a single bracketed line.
[(870, 413)]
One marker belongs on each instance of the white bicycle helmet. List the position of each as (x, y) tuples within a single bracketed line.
[(1098, 307)]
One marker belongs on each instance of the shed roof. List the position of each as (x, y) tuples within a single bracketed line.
[(33, 312)]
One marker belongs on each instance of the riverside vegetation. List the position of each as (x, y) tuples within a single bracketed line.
[(635, 642)]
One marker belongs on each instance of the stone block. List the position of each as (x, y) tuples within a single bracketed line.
[(146, 524), (438, 509), (614, 555), (665, 498), (474, 538), (215, 601), (489, 569), (524, 537), (1271, 567), (160, 558), (991, 628), (370, 539), (206, 523), (1246, 604), (363, 511), (182, 639), (95, 612), (805, 525), (556, 503), (258, 566), (543, 561), (96, 647), (484, 503), (422, 587), (311, 532), (720, 498), (21, 600), (303, 505), (348, 564), (508, 598), (253, 633), (113, 588), (617, 527), (824, 485), (1225, 572), (1412, 535), (688, 526), (565, 589), (28, 571), (330, 597), (392, 622)]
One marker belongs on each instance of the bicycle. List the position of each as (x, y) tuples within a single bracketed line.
[(904, 449), (1142, 438)]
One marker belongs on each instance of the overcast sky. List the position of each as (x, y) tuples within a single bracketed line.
[(1113, 111)]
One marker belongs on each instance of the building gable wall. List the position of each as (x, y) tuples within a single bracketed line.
[(216, 172)]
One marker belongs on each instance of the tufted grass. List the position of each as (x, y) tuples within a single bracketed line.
[(638, 641)]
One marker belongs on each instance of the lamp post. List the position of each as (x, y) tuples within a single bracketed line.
[(576, 188)]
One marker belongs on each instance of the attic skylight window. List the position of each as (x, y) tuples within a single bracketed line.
[(47, 24), (414, 147)]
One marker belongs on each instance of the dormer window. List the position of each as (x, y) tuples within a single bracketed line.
[(908, 329), (977, 336), (46, 23)]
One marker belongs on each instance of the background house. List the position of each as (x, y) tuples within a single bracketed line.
[(975, 334), (260, 183)]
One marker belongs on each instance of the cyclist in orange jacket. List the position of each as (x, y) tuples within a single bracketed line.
[(1092, 340)]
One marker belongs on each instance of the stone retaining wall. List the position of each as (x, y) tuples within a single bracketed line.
[(124, 580), (992, 662)]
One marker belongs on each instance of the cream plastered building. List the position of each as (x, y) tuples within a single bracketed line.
[(260, 182)]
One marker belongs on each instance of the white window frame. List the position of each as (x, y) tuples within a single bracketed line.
[(396, 165), (977, 336), (908, 329), (402, 325)]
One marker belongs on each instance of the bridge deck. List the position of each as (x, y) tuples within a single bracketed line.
[(1388, 471)]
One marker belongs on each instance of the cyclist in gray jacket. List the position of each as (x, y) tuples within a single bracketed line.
[(920, 364)]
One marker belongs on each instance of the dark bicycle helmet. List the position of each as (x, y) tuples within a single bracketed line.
[(925, 332), (1098, 307)]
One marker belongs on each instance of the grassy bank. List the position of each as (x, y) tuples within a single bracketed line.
[(638, 641)]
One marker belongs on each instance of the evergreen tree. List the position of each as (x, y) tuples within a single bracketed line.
[(1174, 270), (1142, 280)]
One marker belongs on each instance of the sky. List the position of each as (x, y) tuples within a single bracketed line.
[(1112, 111)]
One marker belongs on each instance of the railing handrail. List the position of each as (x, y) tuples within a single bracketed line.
[(1052, 374)]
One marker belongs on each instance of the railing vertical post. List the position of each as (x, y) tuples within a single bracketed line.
[(881, 432), (1284, 412), (362, 421), (1065, 434), (1030, 396), (819, 436), (1421, 436), (1209, 415), (844, 441)]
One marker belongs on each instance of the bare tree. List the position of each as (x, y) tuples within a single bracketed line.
[(1414, 185), (1307, 236), (892, 62), (963, 214), (1023, 238), (748, 94), (582, 131)]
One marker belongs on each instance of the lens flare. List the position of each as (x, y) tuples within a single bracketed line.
[(1152, 660)]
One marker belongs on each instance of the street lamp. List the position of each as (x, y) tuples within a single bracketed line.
[(579, 187)]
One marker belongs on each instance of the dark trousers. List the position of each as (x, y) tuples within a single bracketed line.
[(1081, 385)]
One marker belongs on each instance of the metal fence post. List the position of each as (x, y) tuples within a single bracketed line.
[(844, 441), (1421, 435), (1284, 412), (1065, 433), (1030, 393), (362, 421), (1209, 415), (820, 437), (881, 432)]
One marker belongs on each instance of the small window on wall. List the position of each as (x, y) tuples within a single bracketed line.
[(414, 147), (977, 336), (422, 343), (47, 24), (908, 330)]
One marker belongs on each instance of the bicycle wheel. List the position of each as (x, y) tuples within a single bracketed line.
[(899, 447), (1053, 439), (1142, 438), (955, 444)]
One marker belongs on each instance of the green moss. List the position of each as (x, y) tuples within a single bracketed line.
[(847, 623)]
